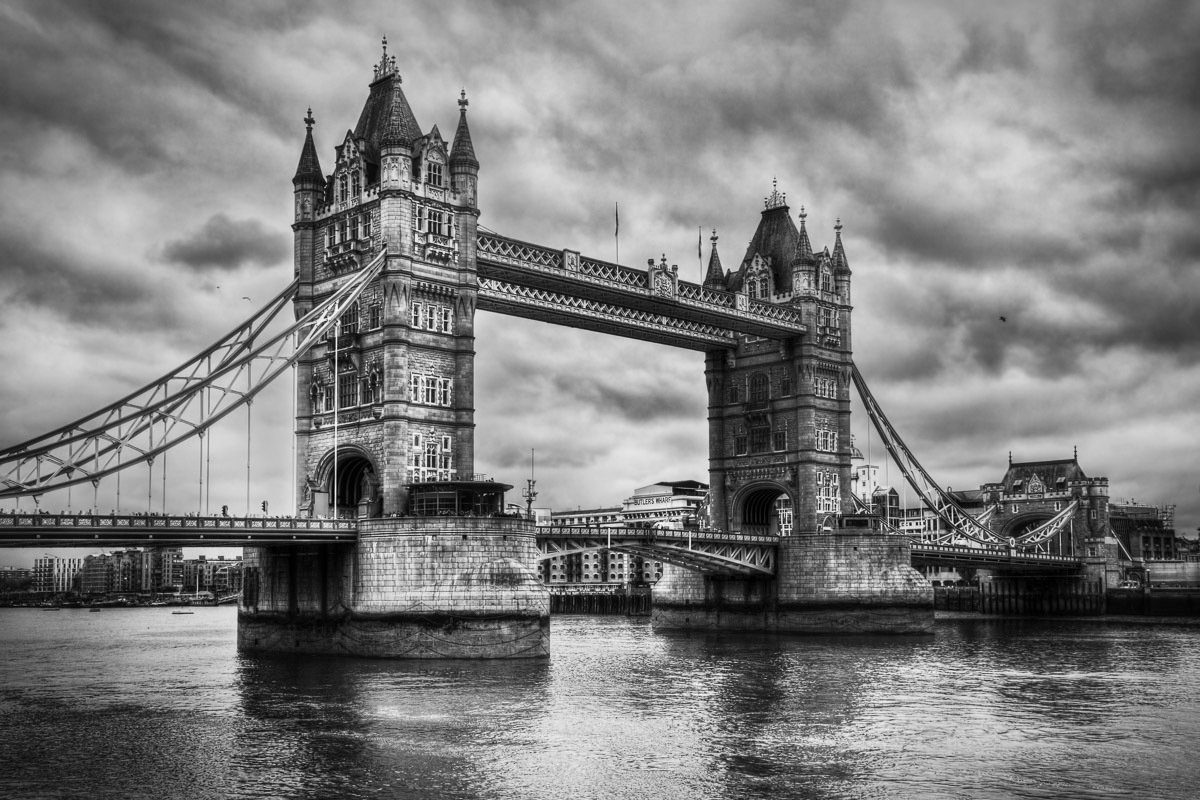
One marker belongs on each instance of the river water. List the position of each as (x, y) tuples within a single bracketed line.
[(143, 703)]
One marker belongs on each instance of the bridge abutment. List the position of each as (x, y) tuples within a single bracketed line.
[(836, 583), (411, 587)]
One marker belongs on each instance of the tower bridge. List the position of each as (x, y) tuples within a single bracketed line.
[(390, 270)]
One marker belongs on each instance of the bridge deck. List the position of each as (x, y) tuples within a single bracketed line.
[(134, 530)]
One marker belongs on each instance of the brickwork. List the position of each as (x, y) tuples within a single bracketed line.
[(411, 587), (838, 583)]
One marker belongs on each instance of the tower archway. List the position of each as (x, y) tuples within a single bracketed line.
[(353, 488), (765, 510)]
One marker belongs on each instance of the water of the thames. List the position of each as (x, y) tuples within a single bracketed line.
[(143, 703)]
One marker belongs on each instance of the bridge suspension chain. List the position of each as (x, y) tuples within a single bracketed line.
[(955, 521), (184, 403)]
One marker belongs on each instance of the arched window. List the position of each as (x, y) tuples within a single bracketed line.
[(355, 184), (433, 173), (343, 188)]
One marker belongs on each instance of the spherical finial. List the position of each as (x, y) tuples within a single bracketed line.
[(308, 120)]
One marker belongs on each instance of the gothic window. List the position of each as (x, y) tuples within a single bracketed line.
[(739, 444), (349, 321), (344, 230), (779, 437), (829, 498), (760, 439), (374, 316), (826, 281), (435, 222), (759, 390), (827, 435), (734, 394), (434, 173), (364, 226), (825, 386), (348, 389), (355, 184), (444, 322), (415, 314), (785, 383), (343, 188), (783, 510), (429, 390), (430, 458)]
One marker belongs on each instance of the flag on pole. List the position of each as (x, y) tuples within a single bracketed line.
[(699, 241), (616, 219)]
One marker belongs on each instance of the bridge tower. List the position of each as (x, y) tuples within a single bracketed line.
[(384, 418), (780, 459), (779, 411)]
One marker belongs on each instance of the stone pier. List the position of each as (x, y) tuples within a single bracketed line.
[(411, 587), (845, 582)]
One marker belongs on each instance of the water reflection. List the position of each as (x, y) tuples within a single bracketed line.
[(147, 705)]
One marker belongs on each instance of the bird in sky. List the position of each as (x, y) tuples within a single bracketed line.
[(1003, 318)]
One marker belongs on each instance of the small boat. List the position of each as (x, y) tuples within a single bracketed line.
[(94, 609), (183, 612)]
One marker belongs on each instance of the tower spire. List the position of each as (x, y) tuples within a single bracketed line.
[(804, 251), (462, 153), (840, 264), (309, 168), (714, 278)]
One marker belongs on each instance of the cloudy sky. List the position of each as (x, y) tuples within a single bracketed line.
[(1038, 162)]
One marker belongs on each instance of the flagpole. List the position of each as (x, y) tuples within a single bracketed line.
[(617, 230)]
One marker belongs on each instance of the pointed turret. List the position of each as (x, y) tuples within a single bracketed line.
[(309, 168), (804, 251), (715, 277), (462, 154), (840, 264)]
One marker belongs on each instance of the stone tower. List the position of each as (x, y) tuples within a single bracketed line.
[(386, 400), (779, 412)]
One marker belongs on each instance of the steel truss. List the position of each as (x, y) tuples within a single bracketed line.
[(180, 405), (957, 524), (710, 553)]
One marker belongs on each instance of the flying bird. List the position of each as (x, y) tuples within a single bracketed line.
[(1003, 318)]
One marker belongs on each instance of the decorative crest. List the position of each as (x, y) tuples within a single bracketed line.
[(386, 65), (775, 199)]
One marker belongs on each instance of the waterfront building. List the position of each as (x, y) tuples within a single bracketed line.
[(55, 575), (668, 504)]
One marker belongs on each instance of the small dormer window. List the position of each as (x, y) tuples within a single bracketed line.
[(433, 173), (355, 184)]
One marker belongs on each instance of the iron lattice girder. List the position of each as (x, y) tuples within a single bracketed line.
[(179, 405), (574, 311), (561, 273), (707, 552), (158, 530)]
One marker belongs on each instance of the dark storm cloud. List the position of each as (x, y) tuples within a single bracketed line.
[(226, 244), (643, 399), (37, 274)]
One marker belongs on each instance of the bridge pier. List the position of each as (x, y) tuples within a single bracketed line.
[(411, 587), (837, 583)]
